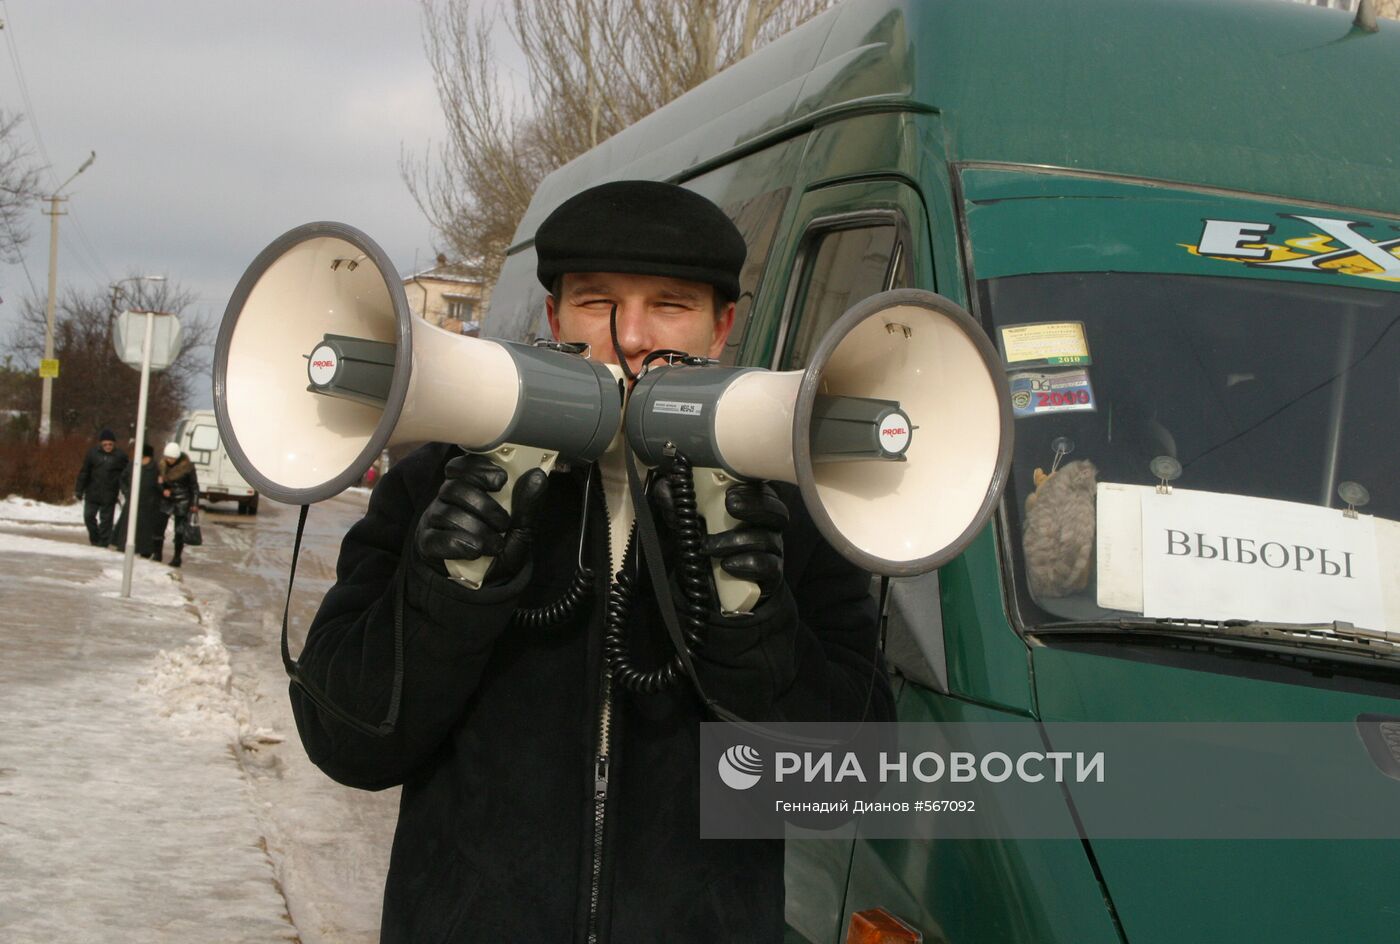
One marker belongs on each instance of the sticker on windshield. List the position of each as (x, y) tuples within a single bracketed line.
[(1033, 394), (1053, 344)]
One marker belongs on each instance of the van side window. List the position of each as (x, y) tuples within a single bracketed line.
[(204, 438), (757, 219), (841, 266)]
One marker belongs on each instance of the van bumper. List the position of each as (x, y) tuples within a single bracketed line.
[(224, 494)]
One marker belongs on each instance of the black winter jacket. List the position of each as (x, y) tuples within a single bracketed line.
[(100, 478), (498, 730), (147, 512), (178, 477)]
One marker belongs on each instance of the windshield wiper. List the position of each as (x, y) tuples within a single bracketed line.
[(1336, 636)]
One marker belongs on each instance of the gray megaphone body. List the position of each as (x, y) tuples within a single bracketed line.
[(320, 365), (898, 434)]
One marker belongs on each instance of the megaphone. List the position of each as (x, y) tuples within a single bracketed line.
[(898, 434), (320, 366)]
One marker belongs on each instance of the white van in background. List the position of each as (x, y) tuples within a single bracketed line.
[(198, 435)]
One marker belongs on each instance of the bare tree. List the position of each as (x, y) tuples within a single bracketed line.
[(19, 186), (95, 388), (595, 67)]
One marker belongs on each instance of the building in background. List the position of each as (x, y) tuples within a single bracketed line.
[(450, 295)]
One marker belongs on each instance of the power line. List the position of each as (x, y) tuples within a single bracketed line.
[(100, 272), (79, 257), (92, 250), (24, 93), (34, 292), (9, 32)]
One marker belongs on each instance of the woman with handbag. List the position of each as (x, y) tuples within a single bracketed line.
[(179, 498)]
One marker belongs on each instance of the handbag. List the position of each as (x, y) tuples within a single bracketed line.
[(191, 531)]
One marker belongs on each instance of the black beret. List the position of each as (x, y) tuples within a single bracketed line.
[(641, 227)]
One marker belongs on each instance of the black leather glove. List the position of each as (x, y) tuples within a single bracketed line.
[(754, 550), (663, 503), (464, 522)]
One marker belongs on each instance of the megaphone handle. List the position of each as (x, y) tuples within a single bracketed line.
[(516, 460), (735, 595)]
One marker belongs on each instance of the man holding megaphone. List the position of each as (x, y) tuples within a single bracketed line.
[(545, 734)]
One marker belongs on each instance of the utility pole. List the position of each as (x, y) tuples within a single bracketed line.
[(48, 369)]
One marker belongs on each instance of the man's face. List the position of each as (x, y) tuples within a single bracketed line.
[(653, 313), (107, 445)]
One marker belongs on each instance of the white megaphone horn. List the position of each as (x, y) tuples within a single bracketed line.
[(898, 434), (320, 366)]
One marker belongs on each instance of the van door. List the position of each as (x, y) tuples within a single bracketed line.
[(853, 240), (204, 452)]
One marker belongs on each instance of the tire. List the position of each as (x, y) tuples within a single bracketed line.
[(250, 507)]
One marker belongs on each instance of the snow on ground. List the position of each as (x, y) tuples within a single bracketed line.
[(124, 814), (29, 511), (155, 583), (175, 809), (194, 685)]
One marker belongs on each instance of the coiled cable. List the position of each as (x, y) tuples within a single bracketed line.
[(562, 609), (579, 589), (694, 582), (692, 566)]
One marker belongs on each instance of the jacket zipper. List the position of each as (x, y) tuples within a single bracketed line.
[(601, 755), (600, 800)]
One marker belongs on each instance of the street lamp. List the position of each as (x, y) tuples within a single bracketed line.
[(48, 369)]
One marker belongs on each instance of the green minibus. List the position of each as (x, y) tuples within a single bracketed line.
[(1179, 223)]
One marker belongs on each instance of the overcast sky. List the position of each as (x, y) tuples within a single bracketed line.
[(217, 126)]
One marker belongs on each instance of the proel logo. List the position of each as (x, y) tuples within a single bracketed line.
[(894, 434), (322, 365)]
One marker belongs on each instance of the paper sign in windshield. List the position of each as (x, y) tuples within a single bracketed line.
[(1053, 344), (1033, 394), (1213, 556)]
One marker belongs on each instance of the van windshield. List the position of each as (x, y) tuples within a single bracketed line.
[(1207, 436)]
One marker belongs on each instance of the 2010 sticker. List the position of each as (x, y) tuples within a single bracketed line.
[(1049, 344)]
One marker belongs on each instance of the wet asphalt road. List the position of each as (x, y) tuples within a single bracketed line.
[(251, 555), (330, 843)]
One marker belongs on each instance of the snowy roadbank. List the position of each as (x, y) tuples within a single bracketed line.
[(124, 814)]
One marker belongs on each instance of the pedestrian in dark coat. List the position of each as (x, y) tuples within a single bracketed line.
[(179, 496), (99, 483), (147, 508), (543, 800)]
